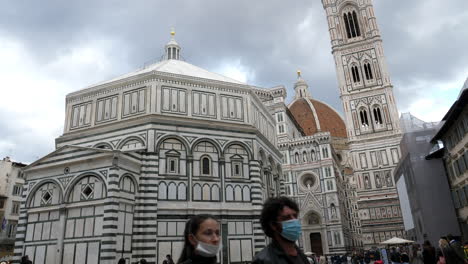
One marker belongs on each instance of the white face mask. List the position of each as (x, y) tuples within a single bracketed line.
[(207, 250)]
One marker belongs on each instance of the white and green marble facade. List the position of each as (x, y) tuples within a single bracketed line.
[(141, 154)]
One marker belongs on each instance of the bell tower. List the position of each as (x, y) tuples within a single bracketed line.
[(371, 115)]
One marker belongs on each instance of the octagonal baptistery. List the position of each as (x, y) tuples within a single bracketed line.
[(142, 153)]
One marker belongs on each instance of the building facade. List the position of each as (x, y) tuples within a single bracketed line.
[(418, 179), (312, 139), (142, 153), (454, 135), (11, 184), (371, 115)]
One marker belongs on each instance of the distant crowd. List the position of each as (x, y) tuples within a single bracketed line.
[(279, 221)]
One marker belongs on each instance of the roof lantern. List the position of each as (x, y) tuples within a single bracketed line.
[(301, 88), (172, 48)]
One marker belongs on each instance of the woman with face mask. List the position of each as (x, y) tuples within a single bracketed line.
[(202, 241)]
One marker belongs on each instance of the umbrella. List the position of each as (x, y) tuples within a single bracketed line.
[(396, 240), (309, 253)]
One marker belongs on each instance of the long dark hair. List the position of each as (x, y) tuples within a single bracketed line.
[(191, 227)]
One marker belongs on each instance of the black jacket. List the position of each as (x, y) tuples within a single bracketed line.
[(274, 254)]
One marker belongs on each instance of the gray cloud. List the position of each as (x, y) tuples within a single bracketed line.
[(423, 39)]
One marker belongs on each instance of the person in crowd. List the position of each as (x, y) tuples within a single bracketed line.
[(25, 260), (429, 253), (311, 257), (395, 256), (143, 261), (404, 258), (367, 258), (322, 260), (202, 241), (121, 261), (168, 260), (447, 255), (417, 257), (456, 246), (279, 220)]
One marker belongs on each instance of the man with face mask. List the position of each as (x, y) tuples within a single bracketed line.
[(280, 221)]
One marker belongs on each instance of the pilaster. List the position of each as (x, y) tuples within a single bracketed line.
[(145, 224)]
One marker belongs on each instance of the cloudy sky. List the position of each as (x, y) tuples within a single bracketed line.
[(51, 48)]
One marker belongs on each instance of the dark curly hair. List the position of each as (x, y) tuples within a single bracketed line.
[(271, 209)]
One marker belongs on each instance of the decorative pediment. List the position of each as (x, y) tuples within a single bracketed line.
[(237, 156), (310, 203), (55, 156), (172, 152)]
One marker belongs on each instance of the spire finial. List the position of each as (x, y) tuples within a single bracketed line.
[(298, 73), (172, 32)]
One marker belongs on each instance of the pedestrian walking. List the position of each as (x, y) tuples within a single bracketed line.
[(457, 247), (201, 240), (279, 220), (417, 255), (404, 258), (395, 256), (429, 253), (448, 255), (168, 260), (25, 260)]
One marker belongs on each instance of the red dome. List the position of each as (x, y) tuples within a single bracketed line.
[(317, 117)]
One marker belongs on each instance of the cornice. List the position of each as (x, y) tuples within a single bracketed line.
[(156, 76)]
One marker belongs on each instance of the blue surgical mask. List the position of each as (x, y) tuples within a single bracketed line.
[(291, 229)]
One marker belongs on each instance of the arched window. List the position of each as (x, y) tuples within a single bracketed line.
[(364, 118), (162, 191), (296, 158), (127, 184), (351, 24), (229, 193), (355, 73), (377, 115), (368, 71), (205, 165)]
